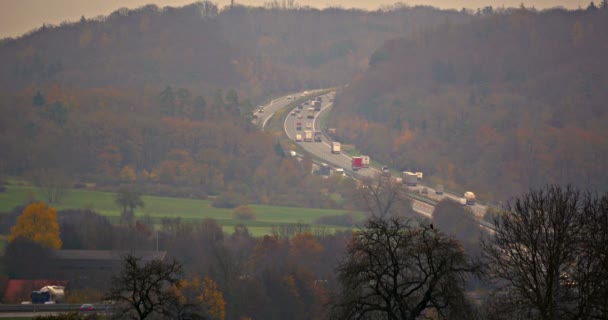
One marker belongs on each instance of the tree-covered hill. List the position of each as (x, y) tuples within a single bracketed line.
[(514, 99), (162, 98)]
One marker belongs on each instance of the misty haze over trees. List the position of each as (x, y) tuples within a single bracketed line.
[(163, 101)]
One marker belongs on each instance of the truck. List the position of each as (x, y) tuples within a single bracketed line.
[(298, 137), (308, 136), (365, 161), (419, 175), (324, 170), (469, 197), (310, 114), (318, 136), (316, 105), (340, 172), (357, 163), (335, 147), (48, 295), (439, 189), (409, 178)]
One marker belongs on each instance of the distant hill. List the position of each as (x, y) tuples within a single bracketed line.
[(254, 50), (143, 47), (162, 98), (512, 100)]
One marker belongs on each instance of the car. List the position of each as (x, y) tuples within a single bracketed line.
[(424, 191), (260, 110), (289, 97), (293, 113), (298, 111), (309, 126), (300, 116), (87, 307)]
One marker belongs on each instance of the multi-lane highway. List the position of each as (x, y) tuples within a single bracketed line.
[(322, 150)]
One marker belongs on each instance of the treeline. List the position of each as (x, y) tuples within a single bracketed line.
[(258, 50), (286, 275), (171, 142), (512, 100), (544, 258), (162, 98)]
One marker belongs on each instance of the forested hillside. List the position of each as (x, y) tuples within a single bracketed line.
[(512, 100), (162, 98)]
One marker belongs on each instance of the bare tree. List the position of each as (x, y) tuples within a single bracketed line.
[(382, 197), (545, 257), (128, 200), (145, 289), (53, 183), (397, 270)]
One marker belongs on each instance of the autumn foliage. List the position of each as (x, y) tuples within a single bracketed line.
[(511, 100), (38, 223)]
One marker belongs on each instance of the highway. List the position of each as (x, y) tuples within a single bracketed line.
[(322, 151), (275, 105)]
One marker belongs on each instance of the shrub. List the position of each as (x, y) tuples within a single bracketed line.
[(343, 220), (228, 200), (243, 212)]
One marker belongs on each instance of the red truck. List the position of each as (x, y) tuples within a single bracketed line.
[(360, 162), (357, 163)]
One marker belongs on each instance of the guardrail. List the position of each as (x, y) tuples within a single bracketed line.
[(57, 307)]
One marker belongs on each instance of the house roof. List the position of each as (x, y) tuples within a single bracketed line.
[(107, 254)]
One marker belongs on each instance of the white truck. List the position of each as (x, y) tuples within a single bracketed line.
[(365, 161), (409, 178), (298, 137), (307, 136), (335, 147), (469, 198)]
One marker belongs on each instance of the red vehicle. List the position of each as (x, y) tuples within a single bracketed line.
[(357, 163), (298, 125)]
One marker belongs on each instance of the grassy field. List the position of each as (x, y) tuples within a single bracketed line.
[(189, 210)]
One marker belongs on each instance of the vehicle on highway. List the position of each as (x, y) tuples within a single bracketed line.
[(289, 97), (300, 116), (300, 106), (260, 110), (356, 163), (365, 161), (298, 125), (340, 171), (310, 113), (318, 136), (424, 191), (409, 178), (298, 137), (469, 198), (335, 147), (87, 307), (386, 172), (308, 136), (324, 169), (309, 125), (439, 189), (293, 113)]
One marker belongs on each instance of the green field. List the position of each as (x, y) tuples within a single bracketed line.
[(189, 210)]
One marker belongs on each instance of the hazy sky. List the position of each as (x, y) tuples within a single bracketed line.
[(20, 16)]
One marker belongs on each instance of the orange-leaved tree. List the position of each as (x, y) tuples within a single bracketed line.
[(38, 223), (205, 294)]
